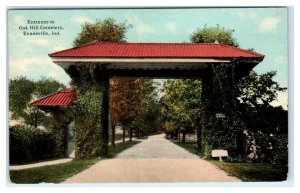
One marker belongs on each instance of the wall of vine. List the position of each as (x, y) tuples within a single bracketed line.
[(88, 111), (218, 96), (59, 125)]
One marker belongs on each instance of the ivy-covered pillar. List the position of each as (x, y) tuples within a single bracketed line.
[(59, 127), (91, 82), (104, 81), (221, 124)]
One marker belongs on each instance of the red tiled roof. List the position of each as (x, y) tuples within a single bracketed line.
[(61, 98), (155, 50)]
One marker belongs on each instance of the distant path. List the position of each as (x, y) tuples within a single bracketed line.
[(153, 160), (39, 164)]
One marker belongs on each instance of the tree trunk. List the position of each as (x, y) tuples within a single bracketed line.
[(113, 135), (183, 137), (124, 134), (130, 134)]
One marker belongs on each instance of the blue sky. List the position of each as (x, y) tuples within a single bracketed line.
[(264, 29)]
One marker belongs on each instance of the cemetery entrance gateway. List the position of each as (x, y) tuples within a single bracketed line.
[(154, 60)]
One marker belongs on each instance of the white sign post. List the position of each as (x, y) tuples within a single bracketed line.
[(219, 153), (220, 115)]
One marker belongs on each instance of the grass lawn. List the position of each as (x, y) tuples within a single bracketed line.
[(118, 136), (189, 146), (248, 172), (253, 172), (59, 172), (120, 147)]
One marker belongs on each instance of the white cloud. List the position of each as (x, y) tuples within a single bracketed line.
[(171, 26), (21, 66), (19, 20), (59, 47), (139, 25), (81, 19), (282, 100), (281, 59), (243, 15), (37, 67), (268, 24), (37, 41)]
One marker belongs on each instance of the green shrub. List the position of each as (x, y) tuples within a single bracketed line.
[(280, 150), (28, 145)]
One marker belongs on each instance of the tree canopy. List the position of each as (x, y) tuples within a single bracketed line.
[(256, 90), (107, 30), (213, 34), (23, 90), (181, 104), (20, 93)]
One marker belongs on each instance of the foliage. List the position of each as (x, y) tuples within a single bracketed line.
[(147, 119), (280, 151), (23, 90), (259, 90), (181, 104), (59, 127), (20, 94), (29, 145), (267, 148), (107, 30), (50, 174), (256, 92), (220, 133), (86, 79), (125, 100), (88, 123), (212, 34), (266, 138), (88, 110), (34, 117), (47, 86)]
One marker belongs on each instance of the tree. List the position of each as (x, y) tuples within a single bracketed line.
[(20, 94), (181, 104), (213, 34), (107, 30), (124, 102), (22, 91), (46, 86), (256, 92), (147, 120), (259, 90), (34, 117)]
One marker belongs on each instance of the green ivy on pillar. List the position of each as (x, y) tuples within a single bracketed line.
[(219, 98), (91, 136)]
